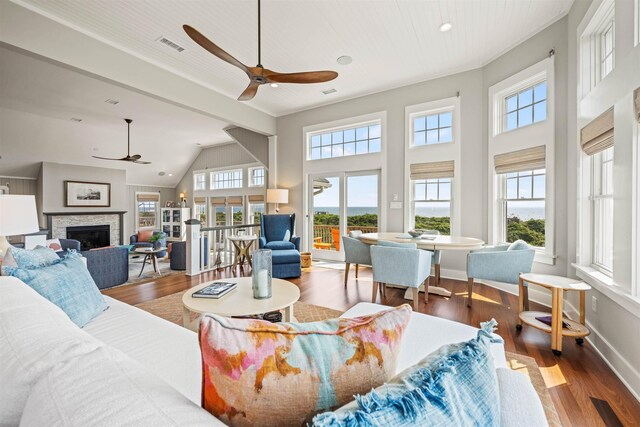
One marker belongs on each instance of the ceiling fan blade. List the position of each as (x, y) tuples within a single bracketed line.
[(140, 162), (213, 48), (249, 92), (304, 77), (109, 158), (135, 157)]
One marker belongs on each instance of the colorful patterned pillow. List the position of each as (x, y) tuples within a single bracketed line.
[(33, 258), (455, 385), (256, 372)]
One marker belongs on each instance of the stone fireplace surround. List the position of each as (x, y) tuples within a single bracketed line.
[(57, 223)]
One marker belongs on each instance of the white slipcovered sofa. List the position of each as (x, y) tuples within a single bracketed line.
[(128, 367)]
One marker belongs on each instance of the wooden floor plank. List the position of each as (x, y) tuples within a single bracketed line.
[(589, 394)]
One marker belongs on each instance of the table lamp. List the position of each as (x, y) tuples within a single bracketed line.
[(277, 195), (18, 216)]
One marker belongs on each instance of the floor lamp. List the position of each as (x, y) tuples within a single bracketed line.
[(18, 216), (277, 196)]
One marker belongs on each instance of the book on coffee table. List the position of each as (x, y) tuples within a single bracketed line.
[(215, 290)]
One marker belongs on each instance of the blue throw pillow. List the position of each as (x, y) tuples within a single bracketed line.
[(66, 283), (518, 245), (454, 386), (33, 258), (277, 245)]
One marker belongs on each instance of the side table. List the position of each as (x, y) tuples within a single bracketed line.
[(557, 285), (242, 244)]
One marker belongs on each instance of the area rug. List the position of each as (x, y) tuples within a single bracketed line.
[(170, 308), (135, 264)]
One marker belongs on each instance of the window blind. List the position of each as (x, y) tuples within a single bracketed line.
[(218, 201), (154, 197), (521, 160), (598, 135), (234, 201), (200, 200), (432, 170), (256, 198), (636, 101)]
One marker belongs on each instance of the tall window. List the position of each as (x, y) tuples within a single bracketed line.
[(220, 215), (524, 206), (237, 214), (200, 210), (433, 128), (602, 210), (200, 181), (607, 49), (432, 204), (256, 177), (147, 209), (345, 142), (226, 179), (526, 107)]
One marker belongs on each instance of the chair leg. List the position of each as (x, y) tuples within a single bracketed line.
[(375, 292), (357, 265), (416, 298), (426, 290), (384, 290), (469, 291), (383, 294), (346, 273), (437, 272)]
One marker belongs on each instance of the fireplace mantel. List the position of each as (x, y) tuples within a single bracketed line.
[(120, 221)]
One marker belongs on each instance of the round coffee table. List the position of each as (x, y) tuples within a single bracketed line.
[(240, 302)]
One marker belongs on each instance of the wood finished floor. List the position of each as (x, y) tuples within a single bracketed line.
[(584, 389)]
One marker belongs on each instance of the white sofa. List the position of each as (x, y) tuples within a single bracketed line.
[(130, 367)]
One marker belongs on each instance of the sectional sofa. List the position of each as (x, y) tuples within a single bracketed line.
[(128, 367)]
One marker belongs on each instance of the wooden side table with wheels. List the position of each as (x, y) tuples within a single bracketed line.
[(557, 285)]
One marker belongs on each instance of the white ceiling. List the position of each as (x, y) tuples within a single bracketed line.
[(392, 42), (39, 99)]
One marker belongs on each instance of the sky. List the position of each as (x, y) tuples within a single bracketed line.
[(361, 191)]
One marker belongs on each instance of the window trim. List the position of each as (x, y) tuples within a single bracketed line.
[(592, 207), (590, 45), (250, 183), (195, 175), (213, 174), (137, 212), (500, 103), (414, 200), (330, 130), (425, 114)]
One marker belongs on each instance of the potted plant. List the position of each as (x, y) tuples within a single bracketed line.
[(155, 239)]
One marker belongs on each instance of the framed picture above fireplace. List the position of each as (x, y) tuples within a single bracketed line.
[(87, 194)]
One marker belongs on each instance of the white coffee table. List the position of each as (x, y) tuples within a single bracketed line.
[(240, 302)]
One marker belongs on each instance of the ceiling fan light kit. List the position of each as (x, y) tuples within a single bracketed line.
[(258, 75), (128, 158)]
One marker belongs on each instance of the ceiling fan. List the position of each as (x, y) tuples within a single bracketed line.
[(258, 75), (129, 158)]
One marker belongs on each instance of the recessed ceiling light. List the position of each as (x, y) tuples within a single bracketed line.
[(345, 60), (112, 101), (75, 119), (274, 85), (329, 91), (446, 27), (170, 174)]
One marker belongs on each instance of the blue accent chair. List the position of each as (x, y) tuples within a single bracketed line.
[(355, 252), (401, 264), (133, 240), (276, 233), (108, 267), (178, 259), (500, 263)]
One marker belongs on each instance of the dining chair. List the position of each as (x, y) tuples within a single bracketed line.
[(355, 252), (400, 264), (436, 255)]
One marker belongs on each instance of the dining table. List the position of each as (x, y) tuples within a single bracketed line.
[(430, 242)]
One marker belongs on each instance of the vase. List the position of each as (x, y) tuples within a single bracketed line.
[(261, 276)]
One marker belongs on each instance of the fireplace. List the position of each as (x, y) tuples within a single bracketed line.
[(90, 236)]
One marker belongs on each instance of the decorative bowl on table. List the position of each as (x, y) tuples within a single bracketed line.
[(415, 233)]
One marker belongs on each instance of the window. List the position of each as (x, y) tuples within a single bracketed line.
[(524, 206), (255, 209), (256, 177), (433, 128), (220, 214), (602, 210), (432, 204), (226, 179), (200, 210), (345, 142), (237, 214), (200, 181), (607, 49), (525, 107), (147, 207)]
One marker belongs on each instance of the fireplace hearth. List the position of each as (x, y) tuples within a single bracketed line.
[(90, 236)]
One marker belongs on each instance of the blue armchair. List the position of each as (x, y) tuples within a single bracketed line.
[(276, 232), (403, 265), (355, 252), (109, 266), (133, 240), (500, 263)]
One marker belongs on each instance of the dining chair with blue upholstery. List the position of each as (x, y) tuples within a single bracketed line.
[(500, 263), (355, 252), (400, 264), (436, 255)]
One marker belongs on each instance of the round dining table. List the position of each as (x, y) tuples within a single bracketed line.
[(430, 242)]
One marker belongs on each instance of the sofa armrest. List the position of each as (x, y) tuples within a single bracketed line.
[(296, 241), (262, 242)]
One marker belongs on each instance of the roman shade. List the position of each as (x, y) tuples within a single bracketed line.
[(234, 201), (598, 135), (256, 198), (636, 102), (218, 201), (148, 197), (521, 160), (432, 170), (199, 200)]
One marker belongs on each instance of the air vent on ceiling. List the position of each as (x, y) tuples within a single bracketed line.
[(112, 101), (75, 119), (329, 91), (171, 44)]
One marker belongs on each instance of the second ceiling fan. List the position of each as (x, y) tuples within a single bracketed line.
[(258, 75)]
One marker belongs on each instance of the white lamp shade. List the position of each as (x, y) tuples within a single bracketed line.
[(18, 215), (277, 195)]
